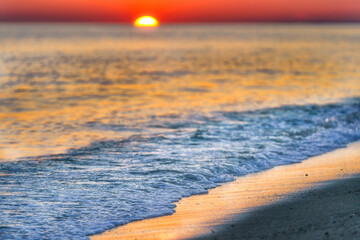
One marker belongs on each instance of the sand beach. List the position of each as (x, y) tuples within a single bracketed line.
[(226, 131), (307, 200), (330, 211)]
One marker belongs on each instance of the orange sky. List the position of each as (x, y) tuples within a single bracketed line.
[(180, 10)]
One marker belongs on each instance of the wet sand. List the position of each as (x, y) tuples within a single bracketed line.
[(226, 210)]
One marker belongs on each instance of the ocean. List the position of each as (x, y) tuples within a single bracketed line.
[(101, 125)]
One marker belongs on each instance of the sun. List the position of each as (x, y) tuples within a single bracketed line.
[(146, 21)]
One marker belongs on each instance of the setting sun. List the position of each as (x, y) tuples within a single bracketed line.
[(146, 21)]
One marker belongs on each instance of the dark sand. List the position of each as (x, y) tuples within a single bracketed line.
[(331, 211)]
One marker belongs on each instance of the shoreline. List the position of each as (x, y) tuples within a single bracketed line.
[(201, 216)]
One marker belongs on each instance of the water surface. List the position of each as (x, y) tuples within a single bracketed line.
[(105, 124)]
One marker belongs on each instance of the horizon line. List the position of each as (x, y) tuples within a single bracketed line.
[(177, 22)]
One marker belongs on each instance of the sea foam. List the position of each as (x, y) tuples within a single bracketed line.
[(110, 183)]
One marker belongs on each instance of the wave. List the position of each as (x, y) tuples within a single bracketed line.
[(111, 183)]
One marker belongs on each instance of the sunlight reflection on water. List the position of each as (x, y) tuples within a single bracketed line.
[(116, 124), (65, 86)]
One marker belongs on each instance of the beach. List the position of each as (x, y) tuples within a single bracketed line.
[(328, 212), (174, 120), (110, 131), (307, 200)]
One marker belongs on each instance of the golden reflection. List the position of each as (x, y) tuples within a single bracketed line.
[(198, 215), (60, 94)]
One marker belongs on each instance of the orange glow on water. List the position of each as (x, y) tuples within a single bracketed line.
[(146, 21), (157, 80)]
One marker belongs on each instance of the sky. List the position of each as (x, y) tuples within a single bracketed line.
[(180, 10)]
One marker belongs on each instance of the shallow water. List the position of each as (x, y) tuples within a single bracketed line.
[(102, 125)]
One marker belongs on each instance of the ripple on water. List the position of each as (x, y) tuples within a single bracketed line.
[(110, 183)]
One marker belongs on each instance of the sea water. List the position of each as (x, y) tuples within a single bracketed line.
[(102, 125)]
